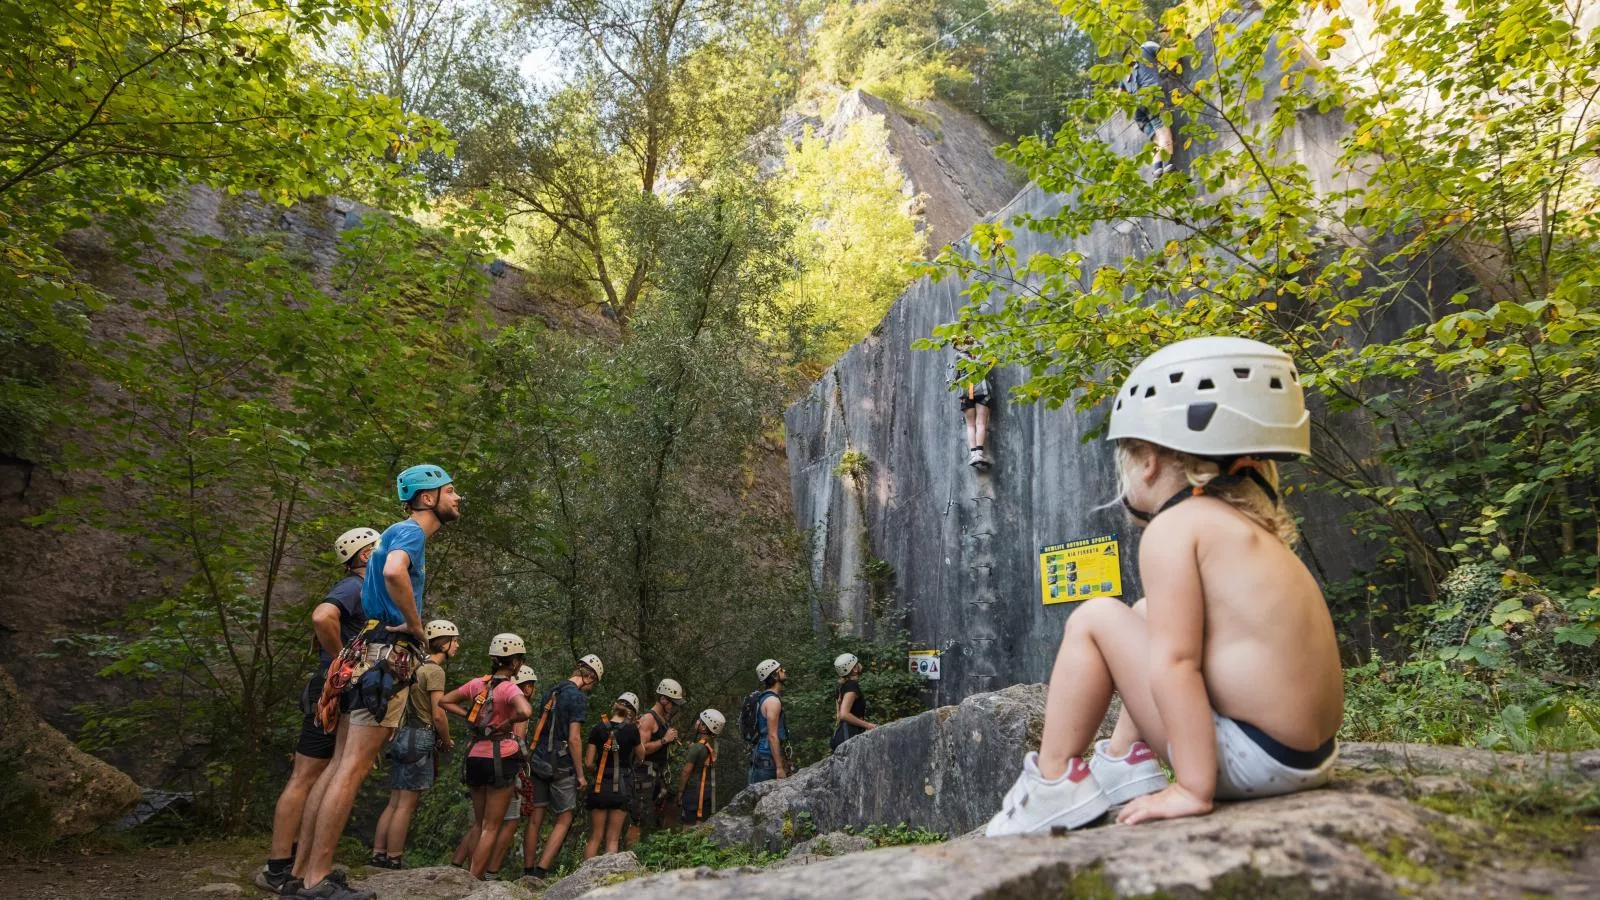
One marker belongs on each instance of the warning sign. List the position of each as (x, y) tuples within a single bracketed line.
[(925, 663), (1079, 570)]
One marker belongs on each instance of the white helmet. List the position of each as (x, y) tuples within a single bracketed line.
[(354, 541), (1215, 397), (595, 666), (766, 667), (713, 721), (670, 689), (630, 698), (525, 675), (506, 644), (844, 662), (440, 628)]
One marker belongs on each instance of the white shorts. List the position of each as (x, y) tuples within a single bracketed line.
[(1245, 770)]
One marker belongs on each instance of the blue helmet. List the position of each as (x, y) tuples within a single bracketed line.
[(425, 477)]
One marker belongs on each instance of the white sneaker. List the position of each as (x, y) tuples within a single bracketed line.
[(979, 459), (1036, 806), (1133, 775)]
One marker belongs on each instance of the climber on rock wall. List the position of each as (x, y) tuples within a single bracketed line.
[(1145, 74), (975, 398), (365, 695), (335, 622), (849, 703), (656, 735), (1229, 668), (424, 735)]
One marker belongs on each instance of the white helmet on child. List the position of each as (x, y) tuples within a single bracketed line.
[(844, 662), (506, 644), (670, 689), (713, 721), (525, 675), (766, 667), (1215, 397), (630, 698), (354, 541), (595, 666), (440, 628)]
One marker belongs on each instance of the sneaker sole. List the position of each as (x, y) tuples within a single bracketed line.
[(1068, 819), (1133, 790)]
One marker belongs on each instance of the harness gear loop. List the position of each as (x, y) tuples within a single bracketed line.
[(1235, 469)]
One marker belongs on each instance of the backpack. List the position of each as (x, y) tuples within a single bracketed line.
[(750, 716)]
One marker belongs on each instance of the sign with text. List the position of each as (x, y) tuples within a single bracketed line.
[(925, 663), (1079, 570)]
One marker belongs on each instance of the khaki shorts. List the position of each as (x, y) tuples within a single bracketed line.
[(391, 715)]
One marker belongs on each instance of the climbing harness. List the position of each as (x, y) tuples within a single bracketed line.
[(366, 675), (481, 727), (1236, 470), (610, 751), (709, 767), (541, 767)]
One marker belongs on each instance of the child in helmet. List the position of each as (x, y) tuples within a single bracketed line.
[(492, 704), (1228, 668), (697, 784)]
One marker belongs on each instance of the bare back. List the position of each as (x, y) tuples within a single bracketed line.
[(1270, 656)]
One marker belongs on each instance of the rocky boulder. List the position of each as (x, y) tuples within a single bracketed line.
[(62, 788), (439, 883), (611, 868)]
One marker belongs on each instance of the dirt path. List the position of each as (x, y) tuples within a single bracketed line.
[(222, 868)]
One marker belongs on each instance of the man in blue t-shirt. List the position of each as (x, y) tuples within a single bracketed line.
[(391, 593)]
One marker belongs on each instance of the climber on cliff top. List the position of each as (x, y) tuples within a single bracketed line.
[(367, 686), (1228, 668), (1145, 74), (335, 622), (976, 400)]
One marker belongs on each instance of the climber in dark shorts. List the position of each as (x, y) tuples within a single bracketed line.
[(1145, 74), (334, 622), (976, 400)]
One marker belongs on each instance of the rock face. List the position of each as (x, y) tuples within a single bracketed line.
[(439, 883), (1317, 844), (964, 546), (602, 870), (77, 792), (944, 770)]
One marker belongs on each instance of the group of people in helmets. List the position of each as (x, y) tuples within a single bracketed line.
[(1229, 669)]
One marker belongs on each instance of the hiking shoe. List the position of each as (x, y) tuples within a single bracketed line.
[(1036, 806), (979, 459), (271, 881), (1124, 778), (381, 861), (328, 889)]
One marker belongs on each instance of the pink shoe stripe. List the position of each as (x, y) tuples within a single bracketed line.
[(1138, 753), (1077, 769)]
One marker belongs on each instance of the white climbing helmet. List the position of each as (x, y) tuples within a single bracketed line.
[(844, 662), (766, 667), (352, 542), (630, 698), (440, 628), (525, 675), (670, 689), (506, 644), (1215, 397), (595, 666), (713, 721)]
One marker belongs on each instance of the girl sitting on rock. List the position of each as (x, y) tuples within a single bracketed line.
[(1228, 669)]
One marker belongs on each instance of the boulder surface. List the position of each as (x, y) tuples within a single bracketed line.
[(77, 792), (601, 870)]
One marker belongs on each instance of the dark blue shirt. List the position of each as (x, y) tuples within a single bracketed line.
[(346, 595), (572, 705), (376, 603)]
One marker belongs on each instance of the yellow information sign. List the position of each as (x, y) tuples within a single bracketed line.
[(1079, 570)]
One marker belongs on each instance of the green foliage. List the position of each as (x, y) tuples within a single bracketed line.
[(666, 850), (1015, 67), (103, 109), (900, 834), (258, 414), (853, 464), (856, 242)]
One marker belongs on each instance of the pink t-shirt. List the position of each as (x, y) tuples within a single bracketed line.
[(505, 704)]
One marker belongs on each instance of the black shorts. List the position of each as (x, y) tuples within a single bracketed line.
[(1146, 122), (314, 742), (604, 800), (480, 771)]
